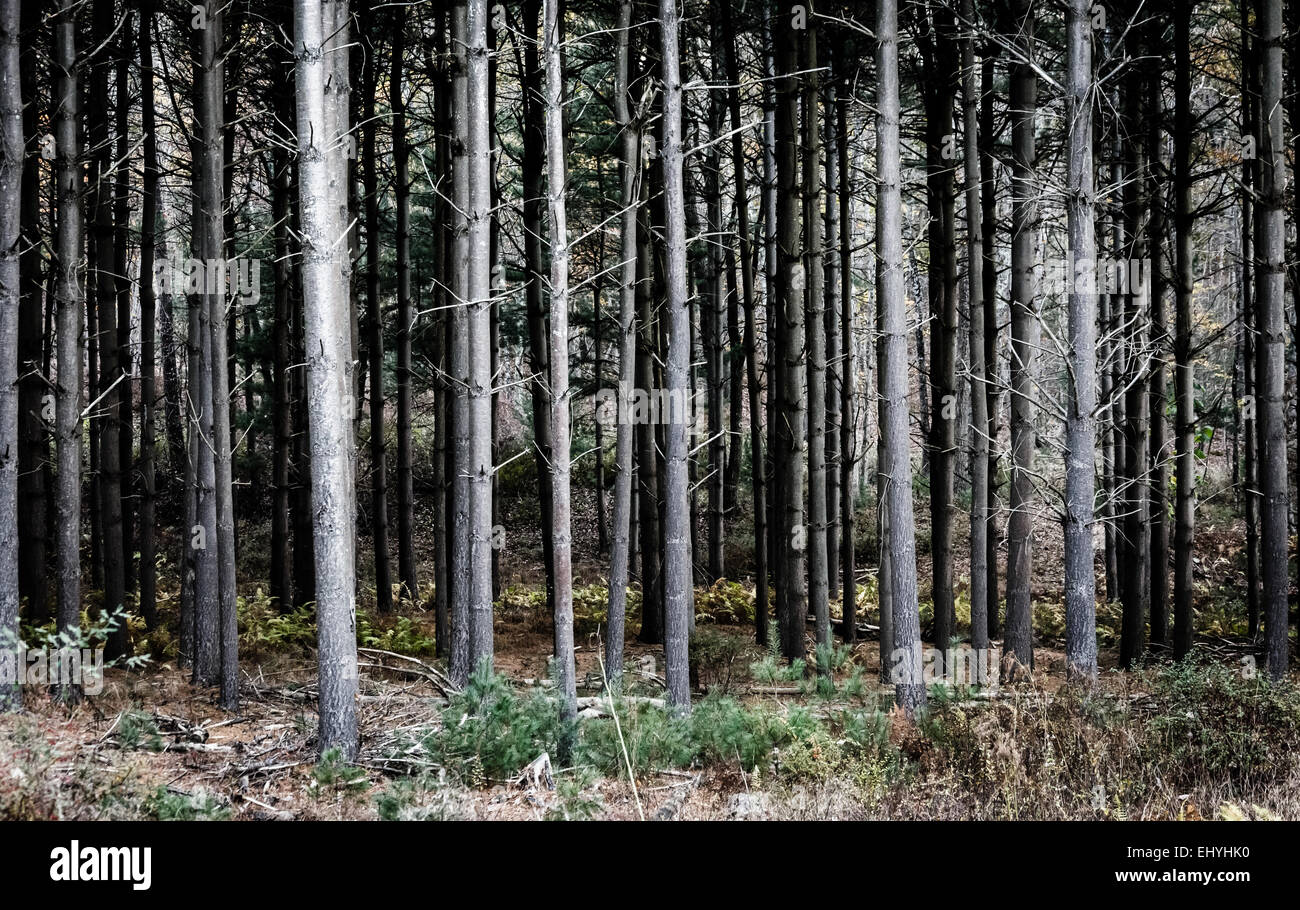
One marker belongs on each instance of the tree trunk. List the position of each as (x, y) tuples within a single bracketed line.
[(11, 179), (1018, 637), (791, 580), (940, 57), (375, 324), (815, 326), (478, 298), (327, 337), (1159, 461), (559, 379), (148, 323), (848, 491), (1080, 429), (835, 415), (757, 479), (992, 377), (677, 574), (1184, 390), (905, 658), (405, 316), (458, 356), (33, 432), (69, 302), (110, 376), (1134, 587), (534, 291), (1270, 370), (979, 433), (629, 174)]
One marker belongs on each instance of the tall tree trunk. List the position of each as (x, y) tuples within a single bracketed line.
[(1018, 637), (711, 321), (835, 415), (848, 432), (559, 379), (939, 54), (458, 357), (281, 187), (122, 300), (375, 324), (992, 379), (979, 434), (791, 579), (478, 298), (629, 174), (815, 328), (33, 432), (328, 388), (757, 479), (1080, 429), (647, 462), (1184, 389), (1270, 353), (534, 291), (11, 178), (1159, 460), (405, 315), (905, 659), (69, 302), (677, 575), (211, 201), (110, 375), (1136, 542), (148, 325)]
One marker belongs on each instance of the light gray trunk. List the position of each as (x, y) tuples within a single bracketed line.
[(478, 298), (211, 81), (461, 663), (563, 541), (677, 576), (1080, 428), (815, 327), (328, 391), (629, 170), (895, 418), (11, 172)]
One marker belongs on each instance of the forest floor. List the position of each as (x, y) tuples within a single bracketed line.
[(1205, 739)]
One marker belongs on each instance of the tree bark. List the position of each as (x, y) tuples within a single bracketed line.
[(815, 328), (905, 658), (629, 177), (1018, 637), (11, 178), (677, 574), (559, 380), (791, 580), (405, 316), (1184, 391), (979, 432), (1080, 428), (328, 389), (1270, 353)]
